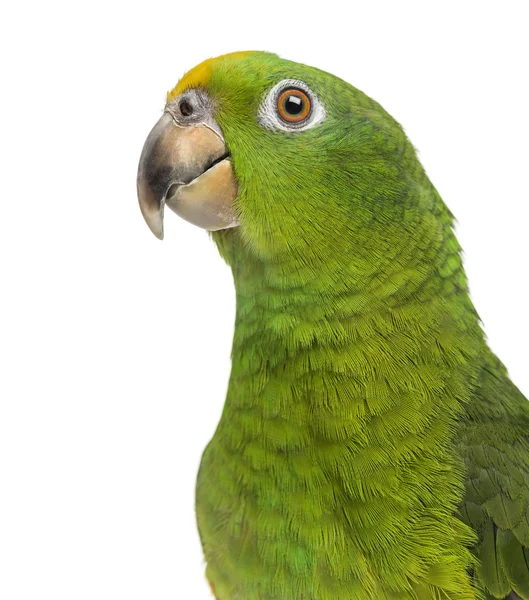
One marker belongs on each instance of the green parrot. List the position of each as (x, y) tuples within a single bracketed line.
[(371, 445)]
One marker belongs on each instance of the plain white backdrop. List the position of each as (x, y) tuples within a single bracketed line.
[(115, 346)]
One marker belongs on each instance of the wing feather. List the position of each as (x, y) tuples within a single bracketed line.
[(493, 440)]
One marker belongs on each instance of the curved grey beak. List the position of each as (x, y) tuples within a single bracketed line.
[(189, 169)]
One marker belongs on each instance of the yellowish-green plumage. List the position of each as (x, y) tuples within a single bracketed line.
[(371, 445)]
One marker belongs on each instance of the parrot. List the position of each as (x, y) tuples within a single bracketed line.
[(371, 445)]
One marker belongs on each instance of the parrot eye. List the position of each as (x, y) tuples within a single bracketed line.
[(291, 106)]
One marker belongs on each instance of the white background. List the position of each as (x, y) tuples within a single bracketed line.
[(115, 346)]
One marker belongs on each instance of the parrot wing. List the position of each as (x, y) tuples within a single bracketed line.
[(493, 440)]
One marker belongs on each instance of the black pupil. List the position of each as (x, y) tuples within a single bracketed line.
[(294, 105), (185, 108)]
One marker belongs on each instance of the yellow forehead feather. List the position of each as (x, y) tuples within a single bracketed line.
[(200, 75)]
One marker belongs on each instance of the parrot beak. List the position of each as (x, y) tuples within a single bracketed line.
[(188, 169)]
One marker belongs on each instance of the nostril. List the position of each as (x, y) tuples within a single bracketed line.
[(186, 108)]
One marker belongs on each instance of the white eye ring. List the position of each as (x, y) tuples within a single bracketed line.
[(268, 111)]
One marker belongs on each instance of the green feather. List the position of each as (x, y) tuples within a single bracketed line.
[(491, 571), (514, 562)]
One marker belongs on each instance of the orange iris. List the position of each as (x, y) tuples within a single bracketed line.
[(293, 105)]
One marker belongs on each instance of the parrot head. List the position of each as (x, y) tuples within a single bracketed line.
[(283, 161)]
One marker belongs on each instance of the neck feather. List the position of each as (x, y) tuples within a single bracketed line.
[(341, 409)]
